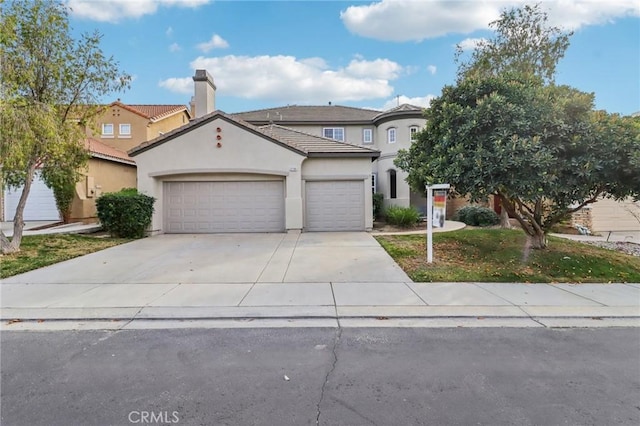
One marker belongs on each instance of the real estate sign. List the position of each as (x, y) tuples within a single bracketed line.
[(439, 207)]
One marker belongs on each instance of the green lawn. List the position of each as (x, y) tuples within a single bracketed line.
[(37, 251), (497, 255)]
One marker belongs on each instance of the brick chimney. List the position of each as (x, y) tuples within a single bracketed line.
[(205, 93)]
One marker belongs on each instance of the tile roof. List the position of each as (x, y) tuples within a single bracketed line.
[(312, 144), (303, 143), (401, 110), (309, 114), (98, 149), (152, 112)]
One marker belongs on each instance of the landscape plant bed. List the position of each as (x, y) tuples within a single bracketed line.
[(37, 251), (498, 255)]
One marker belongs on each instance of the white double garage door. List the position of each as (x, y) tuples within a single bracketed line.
[(259, 206)]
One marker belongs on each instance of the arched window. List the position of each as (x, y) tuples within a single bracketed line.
[(392, 184)]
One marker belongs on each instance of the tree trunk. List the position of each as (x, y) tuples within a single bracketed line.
[(504, 219), (18, 220), (537, 241)]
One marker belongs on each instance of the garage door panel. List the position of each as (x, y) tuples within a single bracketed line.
[(218, 207), (41, 203), (335, 206)]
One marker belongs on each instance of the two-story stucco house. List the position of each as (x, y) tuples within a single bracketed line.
[(220, 173), (387, 132)]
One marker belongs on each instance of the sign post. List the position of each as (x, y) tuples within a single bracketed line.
[(430, 188)]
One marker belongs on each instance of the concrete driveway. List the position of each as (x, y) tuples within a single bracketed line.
[(229, 258)]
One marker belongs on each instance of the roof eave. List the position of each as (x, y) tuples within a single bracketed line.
[(308, 122), (114, 159), (372, 155)]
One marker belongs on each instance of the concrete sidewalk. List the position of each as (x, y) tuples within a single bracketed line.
[(169, 305), (31, 228)]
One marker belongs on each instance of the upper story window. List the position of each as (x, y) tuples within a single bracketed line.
[(413, 132), (336, 133), (391, 135), (125, 131), (107, 130), (367, 136)]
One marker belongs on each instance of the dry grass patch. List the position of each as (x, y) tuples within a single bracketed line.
[(496, 255)]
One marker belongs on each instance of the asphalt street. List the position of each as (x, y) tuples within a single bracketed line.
[(308, 376)]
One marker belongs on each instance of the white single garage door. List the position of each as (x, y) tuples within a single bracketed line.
[(334, 206), (216, 207), (41, 203)]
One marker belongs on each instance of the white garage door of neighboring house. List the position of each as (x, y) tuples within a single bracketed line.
[(217, 207), (334, 206), (41, 203)]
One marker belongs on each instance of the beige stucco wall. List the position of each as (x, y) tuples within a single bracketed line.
[(101, 176), (388, 153), (166, 125), (352, 133), (314, 169), (610, 215)]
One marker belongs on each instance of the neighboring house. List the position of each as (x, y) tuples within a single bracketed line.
[(387, 131), (108, 170), (125, 126), (609, 216), (120, 127), (220, 173)]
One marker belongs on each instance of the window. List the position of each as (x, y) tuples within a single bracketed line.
[(367, 136), (107, 130), (374, 182), (125, 130), (413, 131), (336, 133), (392, 184), (391, 135)]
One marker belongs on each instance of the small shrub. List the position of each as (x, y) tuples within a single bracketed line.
[(402, 216), (125, 214), (476, 216), (377, 204)]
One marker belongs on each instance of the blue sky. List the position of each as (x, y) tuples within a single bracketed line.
[(366, 54)]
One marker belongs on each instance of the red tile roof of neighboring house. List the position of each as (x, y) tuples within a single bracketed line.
[(152, 112), (98, 149)]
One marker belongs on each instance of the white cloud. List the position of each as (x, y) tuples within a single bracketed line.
[(471, 43), (169, 32), (432, 69), (216, 42), (423, 101), (378, 68), (178, 85), (286, 79), (117, 10), (174, 47), (404, 20)]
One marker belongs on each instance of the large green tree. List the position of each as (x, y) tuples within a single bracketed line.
[(505, 129), (523, 42), (541, 149), (51, 88)]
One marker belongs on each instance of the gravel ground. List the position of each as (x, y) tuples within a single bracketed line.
[(626, 247)]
